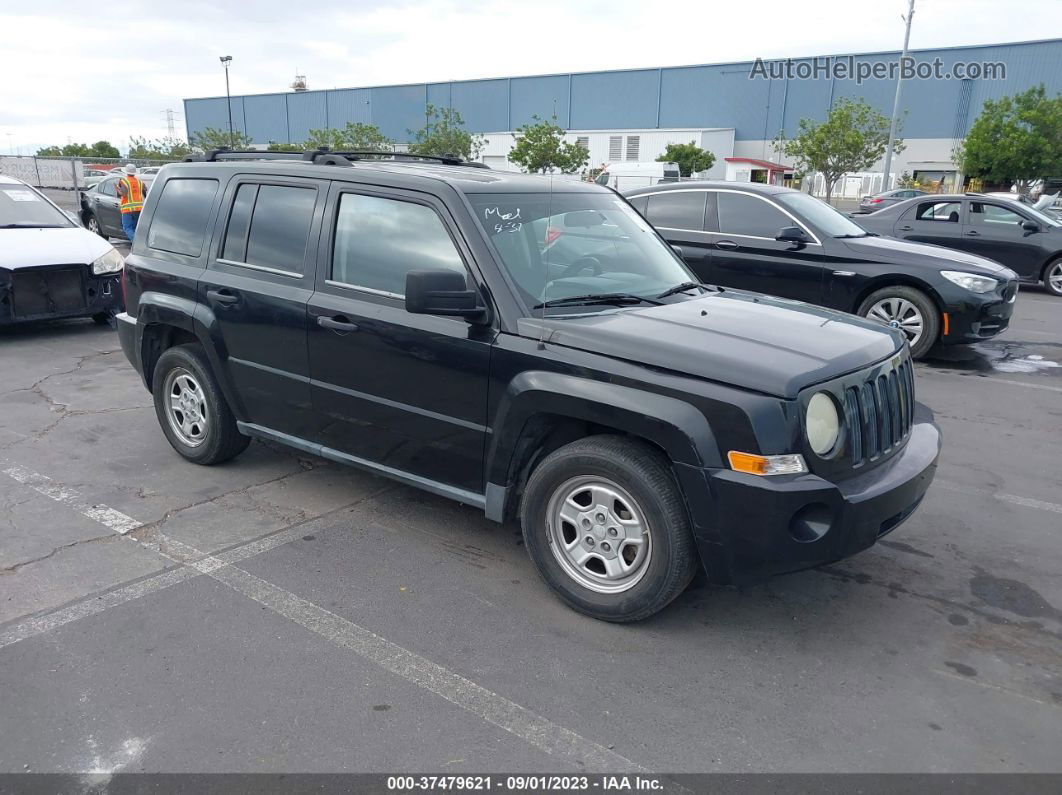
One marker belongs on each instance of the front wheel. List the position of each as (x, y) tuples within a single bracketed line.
[(191, 409), (606, 527), (1053, 277), (92, 224), (907, 309)]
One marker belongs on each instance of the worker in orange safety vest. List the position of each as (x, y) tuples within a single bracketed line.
[(131, 200)]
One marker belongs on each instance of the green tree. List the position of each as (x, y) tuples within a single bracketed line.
[(444, 133), (279, 147), (1016, 139), (157, 149), (213, 138), (853, 138), (541, 149), (690, 158), (99, 149), (352, 137)]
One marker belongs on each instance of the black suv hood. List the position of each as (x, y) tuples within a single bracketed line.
[(908, 252), (769, 345)]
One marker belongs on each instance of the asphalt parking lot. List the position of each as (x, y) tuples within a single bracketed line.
[(280, 613)]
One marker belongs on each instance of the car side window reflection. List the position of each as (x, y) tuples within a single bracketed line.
[(981, 213), (946, 212)]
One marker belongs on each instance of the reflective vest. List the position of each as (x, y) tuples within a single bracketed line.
[(132, 200)]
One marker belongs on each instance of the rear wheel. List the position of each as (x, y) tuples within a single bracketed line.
[(191, 409), (606, 526), (1053, 277), (908, 309)]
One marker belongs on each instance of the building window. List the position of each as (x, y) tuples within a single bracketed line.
[(615, 148), (633, 144), (583, 141)]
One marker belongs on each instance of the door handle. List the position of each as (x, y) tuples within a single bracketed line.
[(222, 296), (906, 228), (726, 244), (337, 323), (973, 233)]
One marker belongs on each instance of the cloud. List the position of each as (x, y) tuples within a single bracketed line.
[(111, 74)]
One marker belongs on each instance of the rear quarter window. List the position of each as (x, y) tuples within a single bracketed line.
[(179, 221)]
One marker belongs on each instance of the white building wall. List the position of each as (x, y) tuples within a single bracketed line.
[(651, 144), (919, 154)]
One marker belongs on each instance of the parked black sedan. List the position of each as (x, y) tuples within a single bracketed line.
[(879, 201), (783, 242), (1017, 235)]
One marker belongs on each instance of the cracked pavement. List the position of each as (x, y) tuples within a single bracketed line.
[(233, 628)]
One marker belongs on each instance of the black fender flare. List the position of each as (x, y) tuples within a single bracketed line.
[(155, 308), (674, 425)]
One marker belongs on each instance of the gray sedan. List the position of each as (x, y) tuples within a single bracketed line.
[(878, 201)]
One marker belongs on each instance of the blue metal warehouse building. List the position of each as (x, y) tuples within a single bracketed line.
[(632, 114)]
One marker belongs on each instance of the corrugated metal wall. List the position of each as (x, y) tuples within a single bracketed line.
[(720, 95)]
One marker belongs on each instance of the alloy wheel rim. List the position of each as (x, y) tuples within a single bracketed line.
[(1054, 277), (598, 534), (899, 313), (94, 226), (186, 408)]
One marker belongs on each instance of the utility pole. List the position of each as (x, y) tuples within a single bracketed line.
[(225, 61), (171, 129), (896, 101)]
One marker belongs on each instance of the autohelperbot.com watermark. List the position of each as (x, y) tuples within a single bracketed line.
[(847, 67)]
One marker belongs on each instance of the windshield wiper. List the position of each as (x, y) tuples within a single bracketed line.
[(864, 234), (619, 299), (30, 226), (681, 288)]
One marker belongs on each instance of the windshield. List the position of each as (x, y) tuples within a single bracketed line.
[(820, 215), (1040, 216), (559, 245), (21, 206)]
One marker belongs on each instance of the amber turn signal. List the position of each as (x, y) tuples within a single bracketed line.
[(792, 464)]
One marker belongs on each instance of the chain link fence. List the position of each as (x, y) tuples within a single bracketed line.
[(64, 173)]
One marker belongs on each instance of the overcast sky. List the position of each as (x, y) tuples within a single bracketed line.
[(87, 71)]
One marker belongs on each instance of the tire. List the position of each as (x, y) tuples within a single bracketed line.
[(202, 428), (1053, 277), (633, 483), (92, 224), (907, 303)]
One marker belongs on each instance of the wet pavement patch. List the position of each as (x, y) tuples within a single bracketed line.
[(1011, 595)]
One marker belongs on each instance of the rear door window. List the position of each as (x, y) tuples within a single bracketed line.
[(946, 212), (280, 227), (673, 209), (179, 222)]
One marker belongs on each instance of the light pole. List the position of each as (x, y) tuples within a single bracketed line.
[(225, 61), (896, 101)]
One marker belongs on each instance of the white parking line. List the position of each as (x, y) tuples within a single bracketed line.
[(991, 380), (105, 515), (481, 702), (485, 704), (1027, 502)]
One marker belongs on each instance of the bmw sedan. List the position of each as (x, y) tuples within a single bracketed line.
[(1017, 235), (49, 266), (782, 242)]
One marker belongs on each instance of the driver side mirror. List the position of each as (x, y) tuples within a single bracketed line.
[(791, 234), (442, 292), (1030, 226)]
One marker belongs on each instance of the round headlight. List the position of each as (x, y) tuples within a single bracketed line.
[(822, 423)]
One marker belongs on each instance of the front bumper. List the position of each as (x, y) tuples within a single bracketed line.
[(749, 528), (59, 291), (129, 340), (979, 317)]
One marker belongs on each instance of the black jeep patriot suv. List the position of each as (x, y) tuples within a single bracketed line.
[(527, 346)]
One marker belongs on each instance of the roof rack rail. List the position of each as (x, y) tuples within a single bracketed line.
[(323, 156)]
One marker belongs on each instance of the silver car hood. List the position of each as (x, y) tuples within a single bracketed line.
[(31, 248)]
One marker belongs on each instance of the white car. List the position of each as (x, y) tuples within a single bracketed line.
[(50, 267)]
